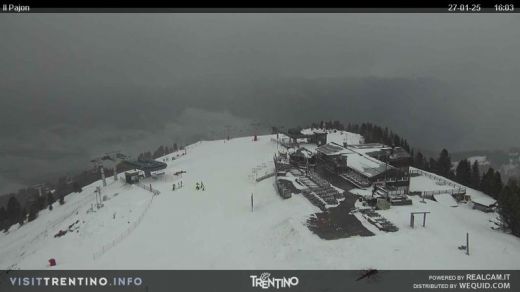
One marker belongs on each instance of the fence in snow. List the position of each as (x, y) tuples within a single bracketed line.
[(457, 189), (125, 234), (265, 176), (437, 178), (148, 188), (133, 226), (261, 172), (285, 142)]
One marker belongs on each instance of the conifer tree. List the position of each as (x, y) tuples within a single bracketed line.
[(3, 218), (14, 210), (444, 163), (50, 200), (509, 207), (497, 184), (463, 172), (486, 183), (33, 210), (419, 161), (475, 175), (76, 187), (432, 165), (23, 216)]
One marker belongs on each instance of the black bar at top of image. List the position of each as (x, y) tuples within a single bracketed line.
[(251, 5)]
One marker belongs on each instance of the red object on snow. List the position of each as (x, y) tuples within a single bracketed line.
[(52, 262)]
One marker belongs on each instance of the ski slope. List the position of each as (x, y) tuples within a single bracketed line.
[(216, 228)]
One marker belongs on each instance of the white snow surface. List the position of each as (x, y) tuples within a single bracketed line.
[(215, 228), (446, 200), (340, 137)]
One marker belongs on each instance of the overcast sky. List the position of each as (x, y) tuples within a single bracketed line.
[(75, 85)]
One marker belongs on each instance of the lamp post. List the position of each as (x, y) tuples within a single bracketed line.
[(306, 164), (227, 129), (99, 165)]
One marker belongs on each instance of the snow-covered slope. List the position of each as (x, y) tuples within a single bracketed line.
[(216, 229)]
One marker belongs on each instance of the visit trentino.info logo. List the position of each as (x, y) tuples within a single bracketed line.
[(265, 281)]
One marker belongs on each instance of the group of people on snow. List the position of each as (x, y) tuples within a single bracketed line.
[(177, 186), (200, 186)]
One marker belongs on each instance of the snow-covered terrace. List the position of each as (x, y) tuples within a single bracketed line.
[(365, 164)]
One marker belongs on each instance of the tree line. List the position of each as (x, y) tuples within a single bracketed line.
[(16, 213), (465, 173), (159, 152), (370, 132)]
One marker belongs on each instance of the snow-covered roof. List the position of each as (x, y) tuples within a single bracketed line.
[(399, 153), (331, 149), (341, 137), (370, 146), (357, 160), (313, 131), (483, 200), (305, 152), (335, 136), (310, 147), (365, 164)]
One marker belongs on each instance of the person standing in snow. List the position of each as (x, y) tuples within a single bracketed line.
[(197, 186), (202, 186)]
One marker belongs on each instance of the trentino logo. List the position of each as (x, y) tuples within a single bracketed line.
[(265, 281)]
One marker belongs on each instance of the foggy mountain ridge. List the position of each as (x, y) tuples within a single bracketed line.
[(423, 110), (389, 102)]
